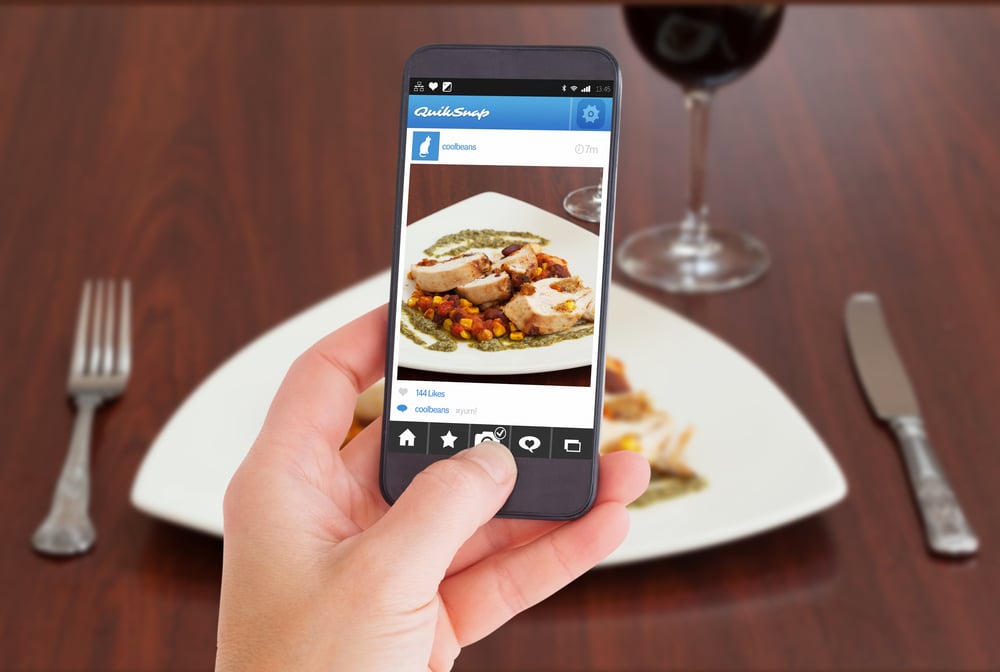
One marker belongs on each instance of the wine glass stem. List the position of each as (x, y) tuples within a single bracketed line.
[(694, 227)]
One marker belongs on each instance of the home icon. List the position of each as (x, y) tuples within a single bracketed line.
[(406, 439)]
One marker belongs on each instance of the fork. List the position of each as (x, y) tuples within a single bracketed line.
[(98, 372)]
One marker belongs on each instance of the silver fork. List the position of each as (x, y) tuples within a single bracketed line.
[(98, 372)]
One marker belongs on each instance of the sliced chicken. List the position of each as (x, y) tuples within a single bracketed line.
[(547, 306), (432, 275), (519, 262), (587, 301), (487, 290), (632, 423)]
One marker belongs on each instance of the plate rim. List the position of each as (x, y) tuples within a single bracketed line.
[(145, 499)]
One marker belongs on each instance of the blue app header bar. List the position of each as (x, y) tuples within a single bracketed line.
[(510, 113)]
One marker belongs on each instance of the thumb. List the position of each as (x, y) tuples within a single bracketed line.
[(443, 506)]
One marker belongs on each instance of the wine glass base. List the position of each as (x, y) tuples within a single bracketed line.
[(723, 260), (585, 203)]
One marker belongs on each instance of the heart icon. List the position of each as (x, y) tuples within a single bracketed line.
[(403, 391), (433, 86)]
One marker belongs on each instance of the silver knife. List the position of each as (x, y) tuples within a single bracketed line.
[(893, 400)]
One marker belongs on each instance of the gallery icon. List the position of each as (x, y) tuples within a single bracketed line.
[(572, 445), (446, 87)]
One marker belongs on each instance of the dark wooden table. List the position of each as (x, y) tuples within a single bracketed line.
[(238, 163)]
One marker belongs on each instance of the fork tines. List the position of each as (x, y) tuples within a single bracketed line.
[(100, 319)]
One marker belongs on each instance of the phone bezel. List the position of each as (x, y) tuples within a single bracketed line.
[(538, 480)]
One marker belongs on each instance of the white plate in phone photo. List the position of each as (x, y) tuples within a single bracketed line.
[(490, 210)]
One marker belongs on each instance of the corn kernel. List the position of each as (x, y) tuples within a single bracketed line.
[(465, 302), (412, 301), (517, 335), (473, 310), (429, 313), (485, 335), (498, 329), (464, 334), (447, 323), (630, 442), (438, 300), (466, 322), (571, 305)]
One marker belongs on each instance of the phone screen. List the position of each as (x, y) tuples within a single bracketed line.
[(495, 322)]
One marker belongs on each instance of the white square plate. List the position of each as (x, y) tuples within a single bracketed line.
[(764, 463)]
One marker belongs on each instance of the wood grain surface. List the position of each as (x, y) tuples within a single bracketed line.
[(238, 163)]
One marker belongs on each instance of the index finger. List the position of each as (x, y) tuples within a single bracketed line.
[(319, 391)]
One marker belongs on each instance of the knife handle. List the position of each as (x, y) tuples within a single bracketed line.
[(948, 531)]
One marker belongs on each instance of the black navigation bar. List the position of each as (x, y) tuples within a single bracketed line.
[(438, 438)]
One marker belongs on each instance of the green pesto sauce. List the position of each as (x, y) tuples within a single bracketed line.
[(442, 340), (475, 239), (445, 342), (500, 344), (668, 487)]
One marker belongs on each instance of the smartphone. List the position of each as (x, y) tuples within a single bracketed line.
[(498, 297)]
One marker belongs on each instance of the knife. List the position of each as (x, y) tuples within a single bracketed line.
[(893, 400)]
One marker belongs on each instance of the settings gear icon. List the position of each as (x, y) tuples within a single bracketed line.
[(590, 114)]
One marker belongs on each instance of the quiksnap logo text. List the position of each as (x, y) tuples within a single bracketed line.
[(448, 111)]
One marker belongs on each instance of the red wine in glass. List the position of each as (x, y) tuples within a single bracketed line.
[(701, 48)]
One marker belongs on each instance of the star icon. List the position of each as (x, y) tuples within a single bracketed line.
[(448, 440)]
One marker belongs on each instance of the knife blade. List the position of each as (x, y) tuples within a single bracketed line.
[(892, 398)]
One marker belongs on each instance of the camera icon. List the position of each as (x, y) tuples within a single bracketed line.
[(484, 436)]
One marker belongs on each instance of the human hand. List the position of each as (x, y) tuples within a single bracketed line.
[(320, 573)]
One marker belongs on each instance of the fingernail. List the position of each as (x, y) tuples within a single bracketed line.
[(495, 459)]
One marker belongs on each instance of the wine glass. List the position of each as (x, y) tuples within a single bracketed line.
[(585, 203), (700, 48)]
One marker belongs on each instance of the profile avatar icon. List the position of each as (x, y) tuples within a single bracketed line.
[(425, 146)]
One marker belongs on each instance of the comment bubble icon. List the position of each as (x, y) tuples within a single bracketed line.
[(529, 443)]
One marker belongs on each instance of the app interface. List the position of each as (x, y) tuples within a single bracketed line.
[(499, 286)]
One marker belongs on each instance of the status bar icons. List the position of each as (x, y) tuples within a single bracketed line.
[(587, 88), (432, 87)]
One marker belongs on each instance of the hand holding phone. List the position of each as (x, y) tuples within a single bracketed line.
[(497, 309)]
